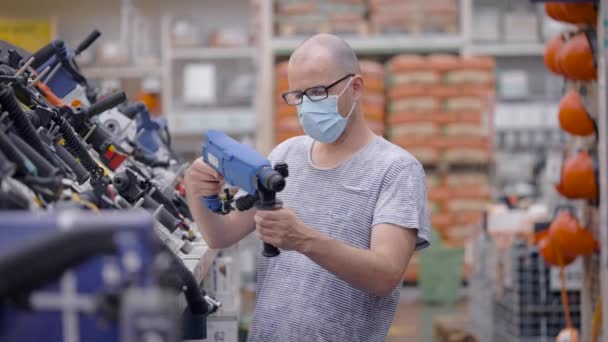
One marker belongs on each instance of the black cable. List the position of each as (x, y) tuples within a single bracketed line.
[(76, 146), (23, 126)]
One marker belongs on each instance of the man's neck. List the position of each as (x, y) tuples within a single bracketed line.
[(356, 136)]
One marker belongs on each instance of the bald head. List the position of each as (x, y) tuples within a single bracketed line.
[(328, 52)]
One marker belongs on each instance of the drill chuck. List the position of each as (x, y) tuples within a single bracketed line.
[(273, 181)]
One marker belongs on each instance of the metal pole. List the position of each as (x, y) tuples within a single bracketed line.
[(603, 159), (264, 97)]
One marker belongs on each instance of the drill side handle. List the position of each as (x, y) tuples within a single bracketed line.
[(269, 250)]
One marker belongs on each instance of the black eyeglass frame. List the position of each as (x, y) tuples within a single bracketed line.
[(305, 91)]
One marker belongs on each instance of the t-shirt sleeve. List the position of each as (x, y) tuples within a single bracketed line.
[(403, 202), (279, 153)]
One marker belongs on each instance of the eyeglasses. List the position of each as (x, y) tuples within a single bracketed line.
[(317, 93)]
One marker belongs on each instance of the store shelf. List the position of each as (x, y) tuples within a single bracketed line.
[(212, 53), (120, 72), (507, 49), (383, 44), (232, 120)]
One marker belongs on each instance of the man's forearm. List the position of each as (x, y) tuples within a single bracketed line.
[(220, 231), (362, 268), (209, 224)]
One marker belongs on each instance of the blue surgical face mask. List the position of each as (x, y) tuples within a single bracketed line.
[(321, 120)]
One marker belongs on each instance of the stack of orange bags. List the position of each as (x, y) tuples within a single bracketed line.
[(437, 106), (438, 110), (374, 101)]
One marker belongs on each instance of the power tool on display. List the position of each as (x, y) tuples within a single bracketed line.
[(245, 168)]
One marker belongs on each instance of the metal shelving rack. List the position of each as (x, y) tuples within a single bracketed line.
[(234, 120)]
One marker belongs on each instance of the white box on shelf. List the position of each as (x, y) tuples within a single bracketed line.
[(513, 84), (222, 329), (521, 27), (199, 87), (486, 25)]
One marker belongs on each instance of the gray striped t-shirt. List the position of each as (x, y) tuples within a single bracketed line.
[(298, 300)]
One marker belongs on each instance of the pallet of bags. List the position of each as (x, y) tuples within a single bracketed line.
[(414, 16), (298, 17), (437, 106)]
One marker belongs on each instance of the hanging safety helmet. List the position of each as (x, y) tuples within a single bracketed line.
[(573, 13), (578, 177), (553, 10), (573, 117), (551, 51), (575, 58), (550, 253), (568, 235)]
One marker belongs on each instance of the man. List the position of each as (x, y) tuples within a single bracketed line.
[(354, 212)]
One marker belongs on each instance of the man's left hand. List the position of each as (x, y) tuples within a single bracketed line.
[(283, 229)]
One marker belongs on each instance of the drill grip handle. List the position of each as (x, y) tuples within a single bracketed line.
[(269, 250)]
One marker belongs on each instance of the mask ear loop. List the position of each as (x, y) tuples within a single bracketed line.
[(354, 104)]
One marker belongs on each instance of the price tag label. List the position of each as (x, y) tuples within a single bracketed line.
[(222, 331)]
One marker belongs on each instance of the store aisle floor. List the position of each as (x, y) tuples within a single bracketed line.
[(414, 320)]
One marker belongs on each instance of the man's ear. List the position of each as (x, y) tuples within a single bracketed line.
[(358, 87)]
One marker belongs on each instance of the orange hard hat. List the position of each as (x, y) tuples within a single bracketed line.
[(573, 13), (568, 235), (551, 51), (578, 177), (573, 117), (575, 58), (549, 252)]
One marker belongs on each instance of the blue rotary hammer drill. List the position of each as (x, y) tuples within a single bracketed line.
[(247, 169)]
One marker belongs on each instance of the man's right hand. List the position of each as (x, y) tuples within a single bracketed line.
[(202, 180)]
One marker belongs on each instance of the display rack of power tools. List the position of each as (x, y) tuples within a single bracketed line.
[(65, 149)]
